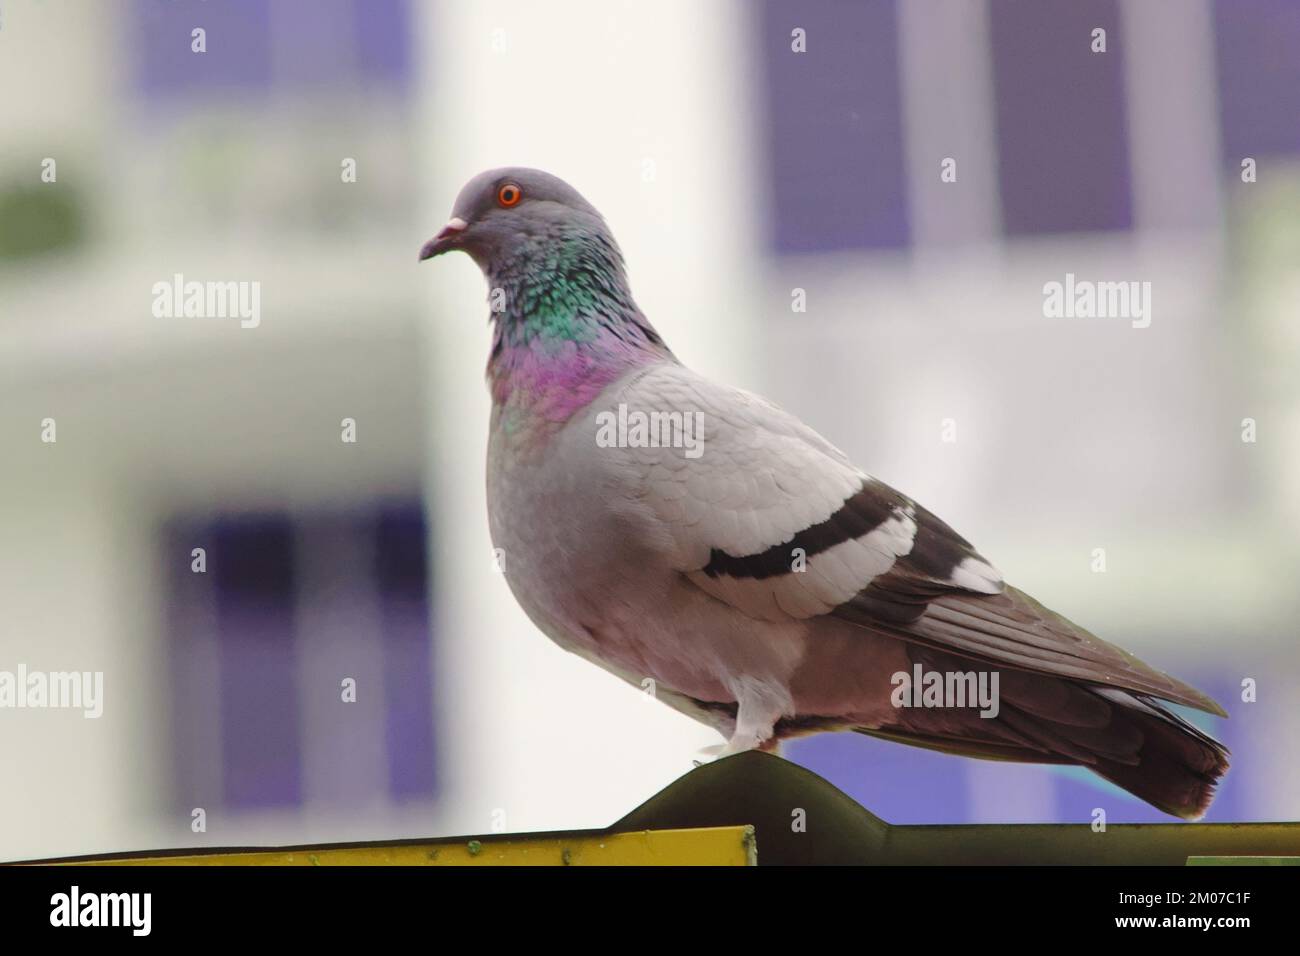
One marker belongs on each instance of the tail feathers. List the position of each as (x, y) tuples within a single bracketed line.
[(1178, 766), (1141, 746)]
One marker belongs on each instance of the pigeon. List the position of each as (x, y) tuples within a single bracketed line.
[(677, 531)]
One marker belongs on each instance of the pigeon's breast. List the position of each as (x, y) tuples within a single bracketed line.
[(590, 563), (566, 538)]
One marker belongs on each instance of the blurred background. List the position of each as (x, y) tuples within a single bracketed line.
[(313, 146)]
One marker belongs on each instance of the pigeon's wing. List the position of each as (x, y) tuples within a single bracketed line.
[(762, 513)]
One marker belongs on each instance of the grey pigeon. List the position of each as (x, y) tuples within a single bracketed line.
[(664, 526)]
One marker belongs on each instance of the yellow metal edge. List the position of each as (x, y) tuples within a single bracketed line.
[(705, 846)]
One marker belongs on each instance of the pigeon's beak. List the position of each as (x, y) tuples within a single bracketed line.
[(444, 240)]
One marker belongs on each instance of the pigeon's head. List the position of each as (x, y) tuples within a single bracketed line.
[(503, 214)]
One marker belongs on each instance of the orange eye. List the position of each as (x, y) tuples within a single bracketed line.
[(509, 195)]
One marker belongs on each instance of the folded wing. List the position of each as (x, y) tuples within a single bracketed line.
[(770, 518)]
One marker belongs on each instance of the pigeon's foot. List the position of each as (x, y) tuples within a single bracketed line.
[(718, 751), (743, 739), (707, 754), (759, 706)]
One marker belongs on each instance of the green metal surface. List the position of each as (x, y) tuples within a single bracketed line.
[(770, 792), (1243, 861)]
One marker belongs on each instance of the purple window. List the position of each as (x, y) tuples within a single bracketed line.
[(1061, 129), (253, 577), (401, 581), (291, 607), (238, 56), (835, 136), (1258, 47), (255, 45)]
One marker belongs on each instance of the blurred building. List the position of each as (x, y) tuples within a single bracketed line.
[(222, 689)]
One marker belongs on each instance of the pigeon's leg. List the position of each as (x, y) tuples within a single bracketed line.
[(759, 707)]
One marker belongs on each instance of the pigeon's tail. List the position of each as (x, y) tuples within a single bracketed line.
[(1178, 766), (1130, 739)]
